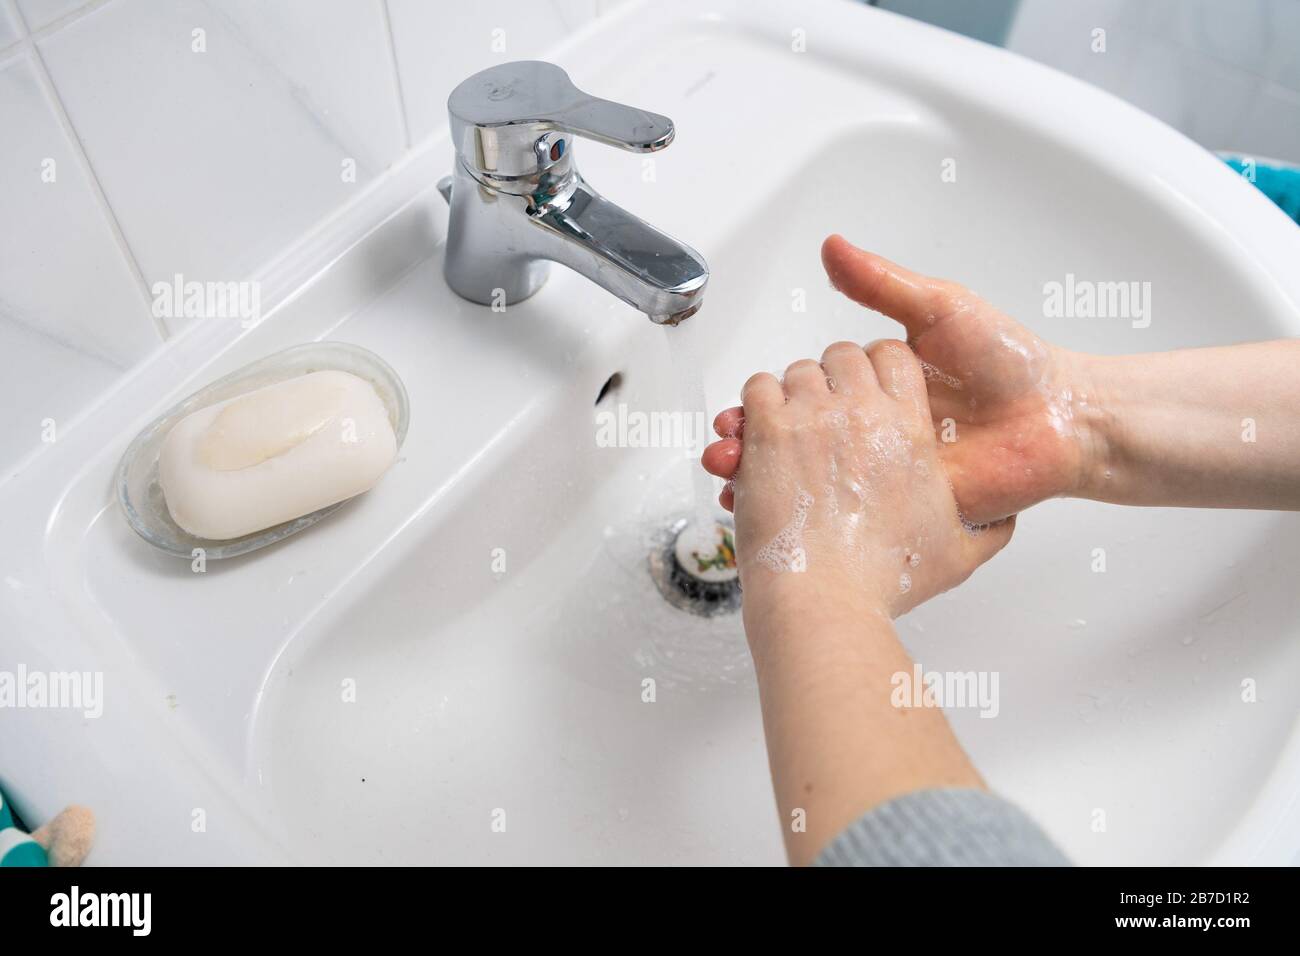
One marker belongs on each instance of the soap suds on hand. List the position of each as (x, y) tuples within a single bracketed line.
[(786, 551)]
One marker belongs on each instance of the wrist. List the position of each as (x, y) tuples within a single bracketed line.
[(780, 604), (1090, 381)]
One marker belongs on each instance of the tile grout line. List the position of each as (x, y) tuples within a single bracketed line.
[(15, 49), (61, 21), (397, 75), (83, 158)]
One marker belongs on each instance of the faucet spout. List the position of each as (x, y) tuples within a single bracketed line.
[(650, 271)]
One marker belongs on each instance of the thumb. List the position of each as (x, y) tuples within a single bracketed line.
[(915, 300)]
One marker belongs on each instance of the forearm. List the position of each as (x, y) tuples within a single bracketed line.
[(1215, 427), (836, 743)]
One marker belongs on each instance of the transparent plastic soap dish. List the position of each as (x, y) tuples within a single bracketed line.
[(138, 489)]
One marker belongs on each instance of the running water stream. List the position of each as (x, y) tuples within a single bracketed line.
[(683, 355)]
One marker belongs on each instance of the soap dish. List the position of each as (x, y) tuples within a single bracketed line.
[(140, 493)]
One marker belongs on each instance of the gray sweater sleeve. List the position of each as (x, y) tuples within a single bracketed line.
[(948, 827)]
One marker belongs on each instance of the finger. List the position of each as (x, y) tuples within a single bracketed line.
[(898, 370), (728, 497), (987, 540), (730, 423), (722, 458), (849, 368), (761, 393), (805, 377), (915, 300)]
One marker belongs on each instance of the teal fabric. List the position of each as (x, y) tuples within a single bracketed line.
[(1279, 183), (987, 20), (22, 850), (16, 847)]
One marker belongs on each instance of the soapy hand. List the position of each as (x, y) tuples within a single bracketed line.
[(840, 490), (1009, 409)]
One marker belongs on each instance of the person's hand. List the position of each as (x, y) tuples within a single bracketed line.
[(1009, 409), (840, 494)]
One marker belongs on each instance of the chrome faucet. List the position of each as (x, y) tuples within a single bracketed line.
[(519, 203)]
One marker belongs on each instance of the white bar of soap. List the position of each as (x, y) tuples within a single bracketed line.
[(275, 454)]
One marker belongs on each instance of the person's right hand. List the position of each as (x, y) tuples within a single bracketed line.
[(1008, 408)]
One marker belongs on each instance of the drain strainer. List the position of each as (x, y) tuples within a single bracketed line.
[(694, 568)]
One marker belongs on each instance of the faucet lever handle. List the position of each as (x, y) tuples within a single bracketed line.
[(614, 124), (501, 114)]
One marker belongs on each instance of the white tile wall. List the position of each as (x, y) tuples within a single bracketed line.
[(1225, 72), (337, 59), (208, 164), (73, 315), (41, 13), (486, 32), (10, 30), (210, 156)]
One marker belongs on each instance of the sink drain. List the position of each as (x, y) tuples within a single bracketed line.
[(695, 569)]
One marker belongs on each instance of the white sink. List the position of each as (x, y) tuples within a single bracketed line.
[(479, 692)]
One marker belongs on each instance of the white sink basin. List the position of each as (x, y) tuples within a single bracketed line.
[(478, 691)]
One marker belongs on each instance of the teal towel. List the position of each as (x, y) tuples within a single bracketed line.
[(1279, 183), (16, 847)]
